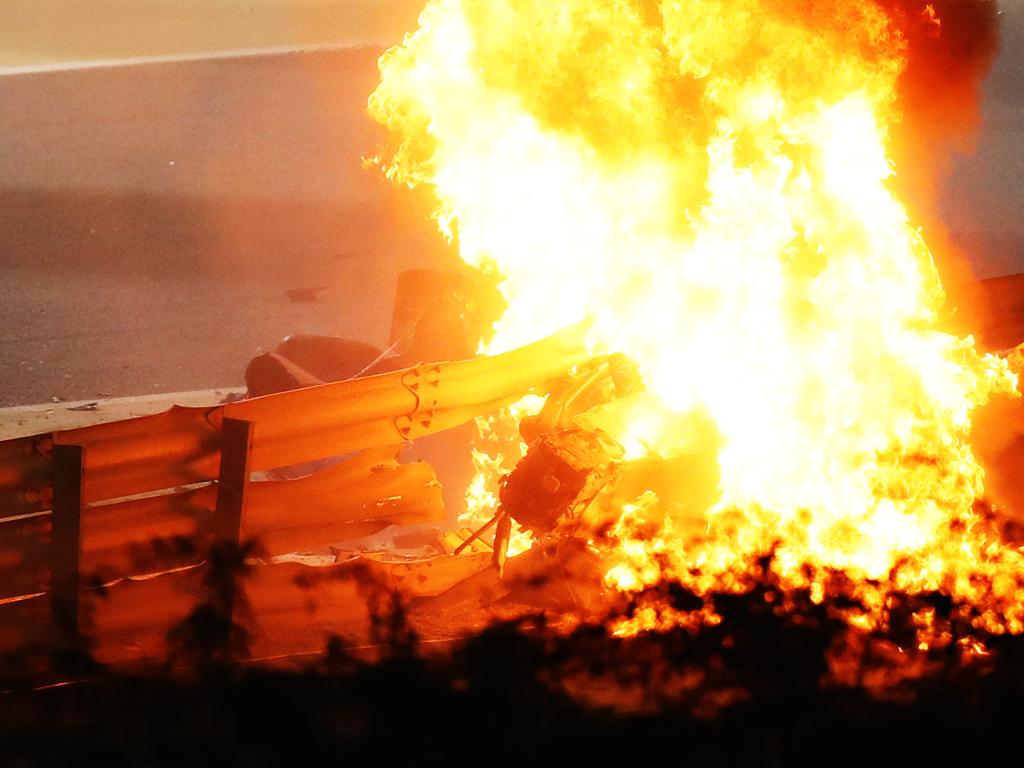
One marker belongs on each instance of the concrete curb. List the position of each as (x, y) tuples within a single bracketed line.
[(22, 420)]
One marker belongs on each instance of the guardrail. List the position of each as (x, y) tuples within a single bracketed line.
[(110, 525)]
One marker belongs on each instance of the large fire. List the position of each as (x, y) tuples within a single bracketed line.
[(707, 184)]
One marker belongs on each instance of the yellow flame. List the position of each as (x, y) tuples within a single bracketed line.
[(706, 181), (499, 450)]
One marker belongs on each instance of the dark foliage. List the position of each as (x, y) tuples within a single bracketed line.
[(214, 632), (752, 689)]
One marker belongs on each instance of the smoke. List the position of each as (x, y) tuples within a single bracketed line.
[(950, 47)]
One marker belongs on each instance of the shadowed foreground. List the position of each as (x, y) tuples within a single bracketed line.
[(763, 685)]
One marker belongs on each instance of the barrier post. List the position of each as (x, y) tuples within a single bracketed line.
[(66, 544), (232, 496)]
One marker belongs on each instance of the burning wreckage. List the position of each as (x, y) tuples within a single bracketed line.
[(573, 475), (760, 372), (583, 507)]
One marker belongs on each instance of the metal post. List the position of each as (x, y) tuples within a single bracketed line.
[(232, 493), (66, 542)]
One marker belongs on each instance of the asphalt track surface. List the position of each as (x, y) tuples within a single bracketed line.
[(201, 212)]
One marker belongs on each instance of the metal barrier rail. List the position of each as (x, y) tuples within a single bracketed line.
[(80, 507)]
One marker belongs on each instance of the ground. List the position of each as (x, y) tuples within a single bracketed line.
[(193, 229)]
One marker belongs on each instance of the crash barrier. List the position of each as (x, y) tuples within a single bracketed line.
[(107, 527)]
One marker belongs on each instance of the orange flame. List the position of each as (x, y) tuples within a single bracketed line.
[(707, 182)]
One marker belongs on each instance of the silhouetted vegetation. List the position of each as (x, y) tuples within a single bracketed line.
[(760, 686), (215, 632)]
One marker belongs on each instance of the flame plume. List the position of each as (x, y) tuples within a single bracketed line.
[(708, 183)]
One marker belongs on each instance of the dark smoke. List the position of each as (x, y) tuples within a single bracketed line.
[(951, 47)]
